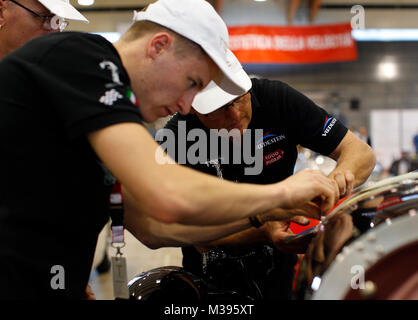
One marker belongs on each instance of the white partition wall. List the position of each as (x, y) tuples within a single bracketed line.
[(392, 132)]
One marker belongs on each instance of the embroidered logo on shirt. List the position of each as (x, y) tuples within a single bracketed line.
[(215, 163), (273, 157), (131, 96), (272, 138), (110, 97), (329, 123), (113, 69)]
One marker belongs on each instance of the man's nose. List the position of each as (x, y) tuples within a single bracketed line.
[(184, 104), (233, 112)]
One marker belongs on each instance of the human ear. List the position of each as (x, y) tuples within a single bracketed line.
[(158, 43), (2, 20)]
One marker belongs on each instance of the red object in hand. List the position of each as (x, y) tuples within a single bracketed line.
[(297, 228)]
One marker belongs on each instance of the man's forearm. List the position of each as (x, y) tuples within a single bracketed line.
[(240, 239), (361, 165), (156, 234), (173, 193), (355, 156)]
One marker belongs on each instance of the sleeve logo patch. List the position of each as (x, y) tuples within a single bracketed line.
[(110, 97), (329, 123), (131, 96)]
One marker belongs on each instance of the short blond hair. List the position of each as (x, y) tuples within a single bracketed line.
[(141, 28)]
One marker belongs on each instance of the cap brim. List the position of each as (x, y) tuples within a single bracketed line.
[(64, 10), (231, 80), (213, 97)]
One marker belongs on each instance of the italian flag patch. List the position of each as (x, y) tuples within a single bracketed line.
[(131, 96)]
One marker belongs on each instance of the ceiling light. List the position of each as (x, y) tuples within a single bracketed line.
[(85, 2), (387, 70), (385, 34)]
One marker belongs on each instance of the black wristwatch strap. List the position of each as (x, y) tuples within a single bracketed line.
[(256, 221)]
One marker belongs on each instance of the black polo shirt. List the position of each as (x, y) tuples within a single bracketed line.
[(54, 193), (288, 118)]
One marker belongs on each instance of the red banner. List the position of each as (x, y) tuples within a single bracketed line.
[(311, 44)]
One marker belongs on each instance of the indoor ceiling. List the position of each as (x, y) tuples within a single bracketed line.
[(136, 3), (293, 5)]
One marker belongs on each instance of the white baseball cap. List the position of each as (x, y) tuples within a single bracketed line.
[(213, 97), (198, 21), (63, 9)]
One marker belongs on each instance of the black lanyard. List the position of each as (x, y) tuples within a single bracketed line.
[(119, 267), (116, 214)]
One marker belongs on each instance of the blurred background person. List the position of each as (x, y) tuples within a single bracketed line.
[(402, 165)]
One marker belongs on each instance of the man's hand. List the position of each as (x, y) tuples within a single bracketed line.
[(277, 231), (309, 185), (345, 181), (355, 161), (309, 209), (89, 294)]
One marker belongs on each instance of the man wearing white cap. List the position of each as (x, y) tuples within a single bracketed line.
[(72, 108), (23, 20), (288, 119)]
